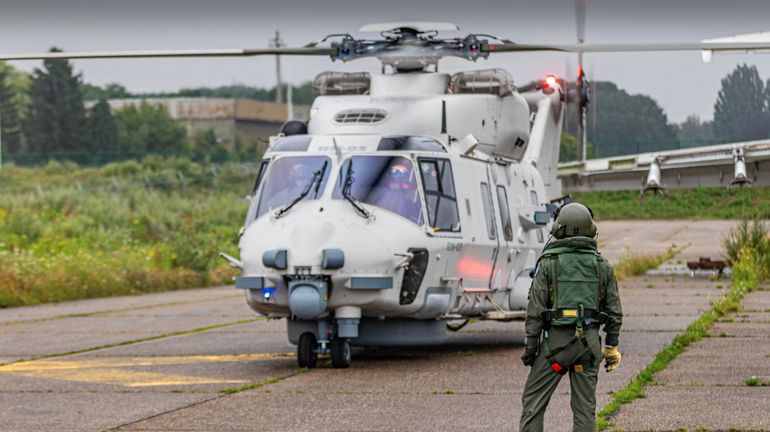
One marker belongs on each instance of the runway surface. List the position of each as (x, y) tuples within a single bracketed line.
[(201, 360)]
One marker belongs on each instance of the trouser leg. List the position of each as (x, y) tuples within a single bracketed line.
[(583, 397), (541, 383)]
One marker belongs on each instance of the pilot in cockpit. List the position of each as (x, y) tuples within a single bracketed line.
[(398, 192)]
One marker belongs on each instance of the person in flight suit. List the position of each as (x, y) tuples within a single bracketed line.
[(573, 293)]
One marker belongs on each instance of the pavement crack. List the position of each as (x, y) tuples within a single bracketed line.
[(109, 311), (193, 404), (140, 340)]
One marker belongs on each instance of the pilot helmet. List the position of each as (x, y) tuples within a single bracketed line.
[(398, 175)]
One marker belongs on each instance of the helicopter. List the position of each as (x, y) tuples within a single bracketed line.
[(411, 198)]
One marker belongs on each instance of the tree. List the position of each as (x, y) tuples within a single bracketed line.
[(110, 91), (568, 150), (102, 128), (149, 129), (208, 146), (9, 117), (693, 132), (624, 123), (740, 112), (56, 118)]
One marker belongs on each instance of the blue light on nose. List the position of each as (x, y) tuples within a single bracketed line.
[(267, 293)]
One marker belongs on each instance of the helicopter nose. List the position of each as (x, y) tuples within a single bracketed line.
[(308, 239)]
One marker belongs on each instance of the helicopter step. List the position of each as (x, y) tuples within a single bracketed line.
[(502, 315)]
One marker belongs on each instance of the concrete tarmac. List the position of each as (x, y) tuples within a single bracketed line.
[(200, 360)]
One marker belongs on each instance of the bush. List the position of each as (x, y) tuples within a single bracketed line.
[(750, 233), (67, 244)]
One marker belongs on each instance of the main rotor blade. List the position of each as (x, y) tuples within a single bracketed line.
[(636, 47), (580, 20), (580, 28), (172, 53), (685, 46)]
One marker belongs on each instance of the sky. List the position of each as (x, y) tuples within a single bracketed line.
[(681, 83)]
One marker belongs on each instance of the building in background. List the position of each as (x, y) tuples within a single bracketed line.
[(234, 121)]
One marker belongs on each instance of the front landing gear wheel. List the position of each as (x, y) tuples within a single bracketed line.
[(341, 355), (307, 356)]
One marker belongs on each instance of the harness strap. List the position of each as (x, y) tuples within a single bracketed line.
[(590, 316), (559, 368)]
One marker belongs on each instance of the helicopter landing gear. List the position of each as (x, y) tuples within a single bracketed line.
[(340, 353), (307, 350)]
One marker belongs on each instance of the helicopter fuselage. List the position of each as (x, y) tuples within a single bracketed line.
[(395, 213)]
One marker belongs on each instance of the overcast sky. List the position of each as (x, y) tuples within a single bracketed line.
[(679, 81)]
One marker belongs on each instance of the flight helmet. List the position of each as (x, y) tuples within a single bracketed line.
[(573, 219)]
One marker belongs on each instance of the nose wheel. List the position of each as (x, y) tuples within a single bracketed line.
[(307, 350), (340, 352)]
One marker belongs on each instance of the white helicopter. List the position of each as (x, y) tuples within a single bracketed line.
[(411, 197)]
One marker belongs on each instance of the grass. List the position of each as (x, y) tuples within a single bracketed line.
[(636, 264), (704, 203), (757, 382), (84, 237), (258, 384), (748, 272)]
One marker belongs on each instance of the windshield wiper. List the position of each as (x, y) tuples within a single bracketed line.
[(314, 181), (349, 196)]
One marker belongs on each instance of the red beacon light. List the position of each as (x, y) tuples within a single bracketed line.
[(550, 84), (550, 80)]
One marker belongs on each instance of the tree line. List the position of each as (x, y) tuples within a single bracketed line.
[(44, 116), (623, 123)]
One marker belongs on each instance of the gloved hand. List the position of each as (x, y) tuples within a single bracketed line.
[(611, 358), (530, 352)]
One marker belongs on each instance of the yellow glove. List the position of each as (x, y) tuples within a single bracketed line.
[(611, 358)]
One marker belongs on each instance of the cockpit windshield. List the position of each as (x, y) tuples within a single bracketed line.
[(382, 181), (289, 177)]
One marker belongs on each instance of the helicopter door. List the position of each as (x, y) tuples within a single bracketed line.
[(504, 263), (491, 227), (477, 256)]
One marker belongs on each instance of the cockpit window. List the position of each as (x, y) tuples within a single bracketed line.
[(292, 143), (289, 177), (385, 182)]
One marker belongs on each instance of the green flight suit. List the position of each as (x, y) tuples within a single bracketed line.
[(542, 380)]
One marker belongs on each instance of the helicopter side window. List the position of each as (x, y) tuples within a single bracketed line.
[(383, 181), (287, 179), (486, 199), (251, 214), (505, 213), (440, 195), (260, 176)]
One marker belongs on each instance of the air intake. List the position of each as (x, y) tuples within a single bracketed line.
[(360, 116), (490, 81), (341, 83)]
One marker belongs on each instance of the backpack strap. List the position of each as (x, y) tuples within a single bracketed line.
[(553, 262), (601, 288)]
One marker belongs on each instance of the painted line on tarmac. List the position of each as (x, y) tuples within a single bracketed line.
[(140, 340), (109, 311), (118, 371)]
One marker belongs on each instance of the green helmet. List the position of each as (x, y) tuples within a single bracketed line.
[(573, 219)]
